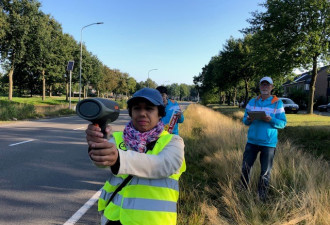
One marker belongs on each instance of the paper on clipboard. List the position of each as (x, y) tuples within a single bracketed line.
[(257, 115)]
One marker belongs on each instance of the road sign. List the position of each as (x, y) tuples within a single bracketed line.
[(70, 66)]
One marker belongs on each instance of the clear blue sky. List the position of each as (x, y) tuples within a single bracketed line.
[(177, 37)]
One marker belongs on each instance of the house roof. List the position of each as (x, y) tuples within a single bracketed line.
[(304, 77)]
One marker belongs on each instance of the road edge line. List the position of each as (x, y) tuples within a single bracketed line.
[(75, 217)]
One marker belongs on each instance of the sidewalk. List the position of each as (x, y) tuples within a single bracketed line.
[(315, 112)]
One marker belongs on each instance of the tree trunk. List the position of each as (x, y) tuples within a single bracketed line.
[(67, 91), (220, 97), (228, 97), (10, 93), (43, 86), (312, 87), (246, 92), (50, 90), (223, 99), (235, 95)]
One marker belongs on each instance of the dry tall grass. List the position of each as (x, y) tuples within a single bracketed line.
[(210, 194)]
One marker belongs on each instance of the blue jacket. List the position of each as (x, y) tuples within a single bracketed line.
[(172, 107), (261, 132)]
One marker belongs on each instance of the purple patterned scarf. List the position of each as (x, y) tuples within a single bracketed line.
[(137, 140)]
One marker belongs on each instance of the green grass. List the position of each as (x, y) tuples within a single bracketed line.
[(16, 111), (295, 120), (309, 132), (38, 100), (209, 189), (231, 111), (32, 107)]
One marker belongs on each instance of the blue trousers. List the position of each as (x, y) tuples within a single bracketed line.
[(266, 160)]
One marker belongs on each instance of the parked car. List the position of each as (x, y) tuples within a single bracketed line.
[(289, 105), (324, 108)]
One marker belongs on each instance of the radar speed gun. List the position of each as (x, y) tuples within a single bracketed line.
[(99, 111)]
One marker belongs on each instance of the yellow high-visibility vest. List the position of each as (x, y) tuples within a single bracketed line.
[(142, 201)]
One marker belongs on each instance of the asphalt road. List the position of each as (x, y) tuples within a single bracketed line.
[(45, 172)]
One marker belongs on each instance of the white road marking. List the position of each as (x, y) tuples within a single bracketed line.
[(6, 125), (75, 218), (21, 142), (79, 128)]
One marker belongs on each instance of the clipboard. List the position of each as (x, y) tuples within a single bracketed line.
[(257, 115)]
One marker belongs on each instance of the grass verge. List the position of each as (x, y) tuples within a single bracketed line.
[(34, 107), (38, 100), (210, 194), (309, 132), (31, 108)]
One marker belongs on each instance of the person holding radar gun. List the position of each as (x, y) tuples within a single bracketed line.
[(144, 162)]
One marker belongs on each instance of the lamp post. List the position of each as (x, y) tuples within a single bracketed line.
[(81, 53), (148, 75)]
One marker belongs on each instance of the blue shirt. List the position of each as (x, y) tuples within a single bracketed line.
[(261, 132), (171, 108)]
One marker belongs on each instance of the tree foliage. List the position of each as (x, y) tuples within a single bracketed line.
[(229, 71), (184, 91), (293, 34), (14, 41)]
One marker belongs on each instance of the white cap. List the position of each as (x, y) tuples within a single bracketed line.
[(268, 79)]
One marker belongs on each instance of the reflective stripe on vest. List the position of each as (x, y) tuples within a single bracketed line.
[(166, 183), (109, 187), (157, 198), (149, 205)]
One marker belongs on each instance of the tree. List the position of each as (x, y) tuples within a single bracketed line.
[(41, 47), (184, 91), (56, 59), (141, 85), (92, 72), (206, 82), (225, 72), (122, 84), (150, 83), (174, 90), (236, 66), (13, 45), (193, 92), (131, 85), (3, 23), (293, 34), (110, 80), (69, 51)]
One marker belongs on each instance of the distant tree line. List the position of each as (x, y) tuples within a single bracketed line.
[(287, 35), (34, 54)]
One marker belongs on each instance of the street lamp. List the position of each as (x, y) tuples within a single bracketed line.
[(81, 53), (148, 75)]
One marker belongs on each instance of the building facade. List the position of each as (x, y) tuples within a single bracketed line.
[(302, 82)]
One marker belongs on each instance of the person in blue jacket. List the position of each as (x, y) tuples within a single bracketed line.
[(172, 108), (262, 134)]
